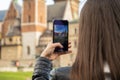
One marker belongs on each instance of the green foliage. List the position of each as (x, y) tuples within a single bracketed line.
[(15, 75), (15, 1)]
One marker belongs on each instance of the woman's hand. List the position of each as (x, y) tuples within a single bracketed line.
[(49, 51)]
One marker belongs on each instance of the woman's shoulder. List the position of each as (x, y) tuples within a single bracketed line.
[(61, 73)]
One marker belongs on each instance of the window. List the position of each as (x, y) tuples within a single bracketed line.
[(10, 39), (4, 41), (75, 31), (28, 50), (75, 43), (29, 18)]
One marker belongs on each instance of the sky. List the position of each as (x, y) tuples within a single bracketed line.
[(4, 4), (60, 28)]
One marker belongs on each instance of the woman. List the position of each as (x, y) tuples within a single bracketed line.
[(99, 44)]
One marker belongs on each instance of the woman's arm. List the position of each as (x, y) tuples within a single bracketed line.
[(43, 65), (42, 69)]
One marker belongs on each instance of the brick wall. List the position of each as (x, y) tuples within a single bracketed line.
[(28, 11), (9, 18)]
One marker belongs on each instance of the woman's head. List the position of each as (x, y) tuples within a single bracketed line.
[(99, 41)]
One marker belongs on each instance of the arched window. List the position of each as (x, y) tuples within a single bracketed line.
[(75, 31), (29, 18), (10, 39), (75, 43), (28, 50)]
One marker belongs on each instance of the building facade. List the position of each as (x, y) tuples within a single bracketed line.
[(11, 45), (34, 23), (27, 30)]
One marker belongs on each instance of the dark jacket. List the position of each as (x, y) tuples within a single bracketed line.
[(43, 67), (42, 71)]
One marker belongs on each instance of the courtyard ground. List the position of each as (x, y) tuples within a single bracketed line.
[(15, 75)]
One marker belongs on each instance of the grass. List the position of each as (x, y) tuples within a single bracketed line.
[(15, 75)]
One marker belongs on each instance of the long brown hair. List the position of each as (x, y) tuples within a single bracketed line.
[(99, 41)]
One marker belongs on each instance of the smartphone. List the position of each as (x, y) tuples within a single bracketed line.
[(60, 34)]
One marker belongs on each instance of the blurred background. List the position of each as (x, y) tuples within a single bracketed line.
[(25, 30)]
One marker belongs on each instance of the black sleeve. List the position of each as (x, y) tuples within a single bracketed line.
[(42, 69), (53, 75)]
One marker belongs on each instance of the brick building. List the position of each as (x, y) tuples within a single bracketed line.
[(27, 30)]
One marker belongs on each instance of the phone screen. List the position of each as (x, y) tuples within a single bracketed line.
[(60, 34)]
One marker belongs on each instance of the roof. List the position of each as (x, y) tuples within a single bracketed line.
[(2, 14), (15, 29), (56, 11), (46, 34), (18, 8)]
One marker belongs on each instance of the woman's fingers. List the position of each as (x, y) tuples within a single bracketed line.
[(56, 45), (60, 45), (69, 43), (69, 46), (69, 51)]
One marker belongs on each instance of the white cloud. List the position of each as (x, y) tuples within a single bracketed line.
[(4, 4)]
